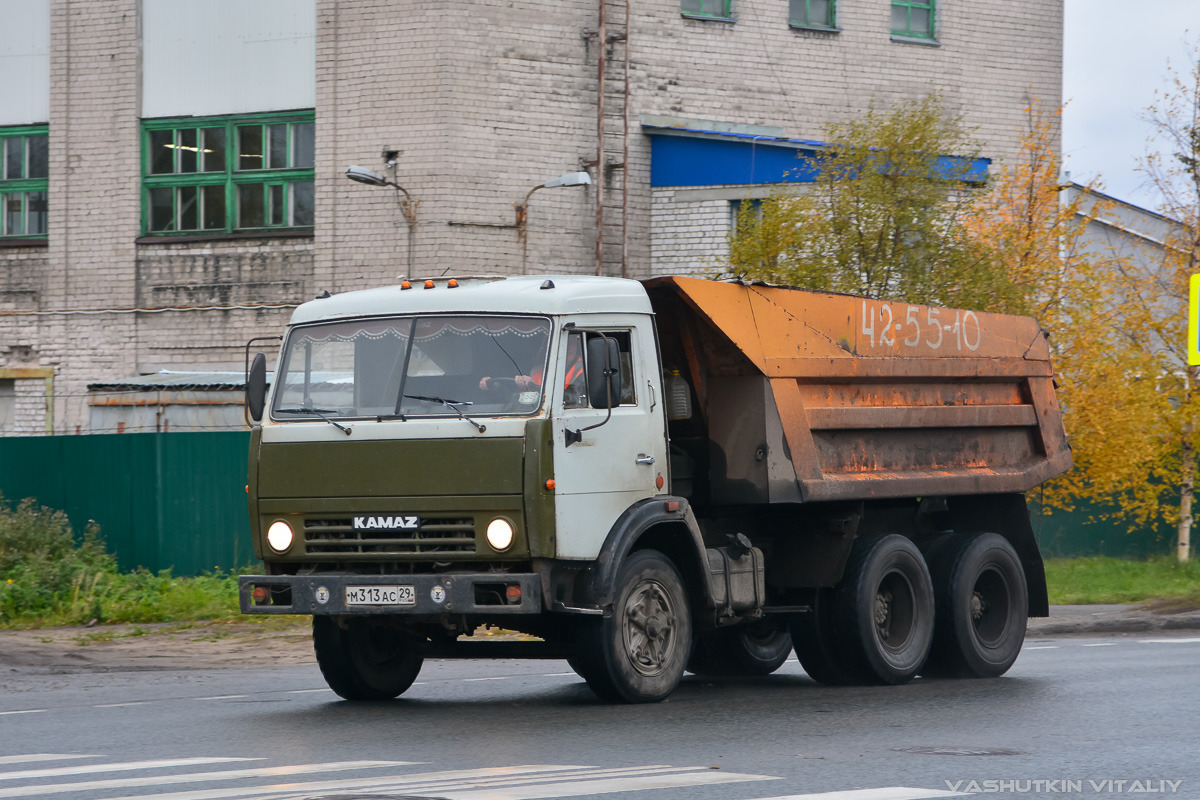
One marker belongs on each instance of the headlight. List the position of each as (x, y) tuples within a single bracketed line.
[(500, 534), (280, 536)]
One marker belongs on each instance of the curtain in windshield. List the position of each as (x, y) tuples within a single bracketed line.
[(414, 366)]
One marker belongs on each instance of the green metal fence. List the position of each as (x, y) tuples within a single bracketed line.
[(178, 500), (163, 500)]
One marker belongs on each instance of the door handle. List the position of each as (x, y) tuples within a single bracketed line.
[(644, 459)]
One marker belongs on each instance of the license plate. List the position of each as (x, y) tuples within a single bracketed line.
[(381, 596)]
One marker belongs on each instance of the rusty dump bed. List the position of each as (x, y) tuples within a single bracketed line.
[(810, 396)]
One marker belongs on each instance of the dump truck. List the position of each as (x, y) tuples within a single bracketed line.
[(649, 478)]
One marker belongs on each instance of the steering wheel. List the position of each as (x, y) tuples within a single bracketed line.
[(502, 384)]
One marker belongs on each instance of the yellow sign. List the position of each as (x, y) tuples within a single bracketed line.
[(1193, 342)]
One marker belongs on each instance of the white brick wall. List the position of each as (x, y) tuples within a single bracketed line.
[(485, 99)]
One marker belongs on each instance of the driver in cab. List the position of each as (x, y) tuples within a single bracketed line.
[(573, 379)]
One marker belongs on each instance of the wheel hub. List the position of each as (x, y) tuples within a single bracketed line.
[(649, 627)]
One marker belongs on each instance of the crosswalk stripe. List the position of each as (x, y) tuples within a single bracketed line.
[(885, 793), (290, 788), (34, 757), (25, 774), (628, 784), (197, 777), (525, 781)]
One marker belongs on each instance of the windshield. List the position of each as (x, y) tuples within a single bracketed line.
[(413, 367)]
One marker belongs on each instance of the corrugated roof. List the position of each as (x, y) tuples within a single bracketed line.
[(177, 381)]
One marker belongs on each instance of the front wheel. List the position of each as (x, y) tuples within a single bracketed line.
[(982, 607), (637, 655), (365, 660)]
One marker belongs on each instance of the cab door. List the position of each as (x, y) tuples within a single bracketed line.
[(605, 469)]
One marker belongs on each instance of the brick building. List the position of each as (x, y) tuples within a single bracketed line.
[(159, 155)]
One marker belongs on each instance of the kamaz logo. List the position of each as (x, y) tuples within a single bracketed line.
[(381, 522)]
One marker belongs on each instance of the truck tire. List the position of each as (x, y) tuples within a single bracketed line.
[(744, 651), (884, 611), (637, 655), (364, 661), (816, 646), (982, 607)]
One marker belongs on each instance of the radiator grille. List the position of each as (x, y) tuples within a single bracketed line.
[(435, 535)]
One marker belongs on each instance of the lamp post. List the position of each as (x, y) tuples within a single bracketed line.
[(408, 206), (522, 208)]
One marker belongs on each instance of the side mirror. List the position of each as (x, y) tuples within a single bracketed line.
[(604, 377), (256, 387)]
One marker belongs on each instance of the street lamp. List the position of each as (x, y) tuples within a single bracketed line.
[(522, 208), (408, 206)]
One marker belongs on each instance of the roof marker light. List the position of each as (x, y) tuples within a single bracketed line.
[(452, 283), (428, 284), (405, 285)]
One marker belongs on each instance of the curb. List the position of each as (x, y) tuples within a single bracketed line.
[(1136, 622)]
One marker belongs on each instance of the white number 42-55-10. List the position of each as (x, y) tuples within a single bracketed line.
[(888, 327)]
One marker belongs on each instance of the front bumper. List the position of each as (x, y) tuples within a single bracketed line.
[(454, 593)]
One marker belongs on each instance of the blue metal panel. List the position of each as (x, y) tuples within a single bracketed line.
[(744, 159), (687, 161)]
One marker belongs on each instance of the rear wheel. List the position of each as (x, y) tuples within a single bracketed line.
[(637, 655), (982, 607), (883, 610), (365, 660), (748, 650), (816, 646)]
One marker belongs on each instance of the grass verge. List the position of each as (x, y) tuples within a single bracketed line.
[(1086, 581)]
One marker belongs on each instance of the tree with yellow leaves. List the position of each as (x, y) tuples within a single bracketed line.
[(1012, 246)]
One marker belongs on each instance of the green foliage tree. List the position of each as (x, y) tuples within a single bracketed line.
[(884, 217)]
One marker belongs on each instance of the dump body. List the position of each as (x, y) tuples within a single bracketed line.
[(811, 396)]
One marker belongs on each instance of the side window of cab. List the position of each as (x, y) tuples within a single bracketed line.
[(575, 394)]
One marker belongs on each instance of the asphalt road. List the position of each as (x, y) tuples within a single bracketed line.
[(1073, 714)]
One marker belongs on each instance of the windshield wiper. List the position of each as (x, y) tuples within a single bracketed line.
[(316, 411), (451, 404)]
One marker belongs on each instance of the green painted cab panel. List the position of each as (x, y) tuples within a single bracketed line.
[(391, 468)]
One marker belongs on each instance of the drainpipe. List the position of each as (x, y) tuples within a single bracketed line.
[(602, 43)]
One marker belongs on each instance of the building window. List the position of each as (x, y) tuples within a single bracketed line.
[(8, 405), (913, 18), (226, 174), (712, 9), (812, 14), (23, 182)]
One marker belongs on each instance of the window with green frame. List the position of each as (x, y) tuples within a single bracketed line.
[(812, 13), (227, 174), (913, 18), (716, 9), (24, 182)]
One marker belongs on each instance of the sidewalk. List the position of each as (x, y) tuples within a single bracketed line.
[(1099, 620)]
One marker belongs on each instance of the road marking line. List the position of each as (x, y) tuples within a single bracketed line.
[(706, 777), (122, 705), (1040, 647), (496, 782), (885, 793), (1099, 644), (40, 757), (307, 691), (493, 678), (27, 711), (559, 675), (198, 777), (1169, 641), (116, 767), (290, 789), (222, 697)]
